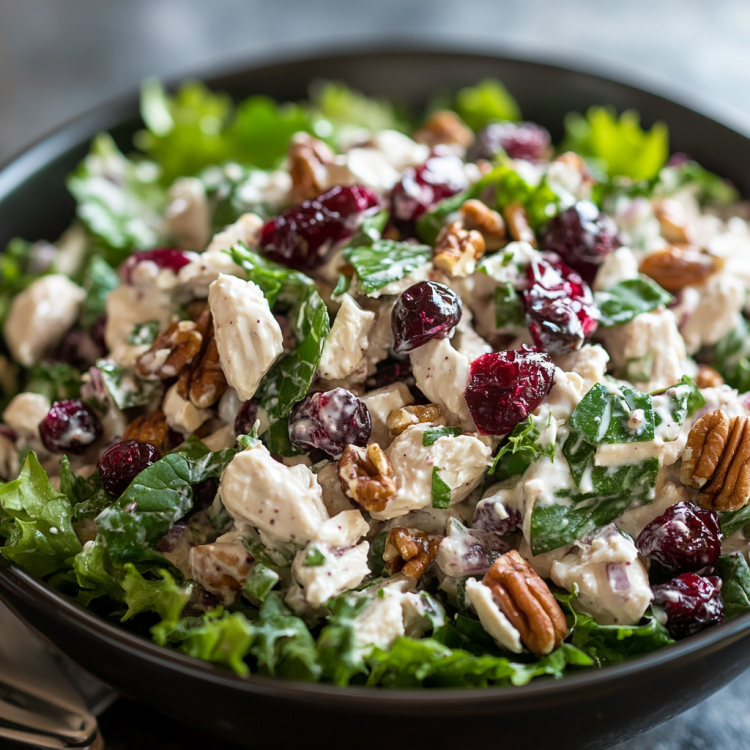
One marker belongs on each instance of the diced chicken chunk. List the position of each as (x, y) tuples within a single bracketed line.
[(187, 214), (612, 583), (345, 346), (491, 617), (181, 414), (380, 404), (248, 336), (618, 266), (40, 316), (25, 412), (323, 571)]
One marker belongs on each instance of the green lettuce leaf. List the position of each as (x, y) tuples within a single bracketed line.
[(99, 279), (441, 492), (487, 101), (431, 436), (509, 311), (260, 582), (521, 448), (735, 584), (619, 145), (622, 302), (732, 357), (95, 574), (55, 380), (118, 200), (36, 522), (17, 272), (385, 261)]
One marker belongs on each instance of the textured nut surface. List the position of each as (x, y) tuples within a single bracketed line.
[(366, 476), (399, 419), (203, 381), (172, 350), (527, 602), (678, 266), (672, 221), (409, 551), (489, 223), (518, 223), (150, 428), (457, 250), (444, 127), (308, 160), (707, 377), (717, 461)]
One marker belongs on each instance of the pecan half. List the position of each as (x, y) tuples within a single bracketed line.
[(672, 221), (707, 377), (527, 602), (444, 127), (172, 350), (399, 419), (457, 250), (150, 428), (678, 266), (409, 551), (308, 161), (365, 476), (489, 223), (716, 461), (518, 223), (203, 381)]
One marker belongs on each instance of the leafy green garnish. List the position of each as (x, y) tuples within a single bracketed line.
[(86, 495), (123, 387), (622, 302), (17, 272), (118, 200), (521, 449), (509, 312), (431, 436), (36, 522), (314, 558), (487, 101), (711, 190), (99, 279), (163, 596), (620, 146), (338, 653), (55, 380), (262, 579), (735, 584), (385, 261), (375, 561), (144, 333), (441, 492), (732, 357)]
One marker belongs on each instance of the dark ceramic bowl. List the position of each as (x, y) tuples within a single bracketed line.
[(592, 709)]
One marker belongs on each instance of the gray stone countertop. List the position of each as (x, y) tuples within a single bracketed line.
[(60, 57)]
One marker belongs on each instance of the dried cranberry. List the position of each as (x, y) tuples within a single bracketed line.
[(171, 539), (520, 140), (163, 257), (388, 372), (329, 421), (683, 539), (441, 176), (70, 427), (691, 603), (123, 462), (505, 387), (78, 349), (560, 309), (425, 311), (486, 517), (204, 492), (246, 416), (582, 236), (304, 236)]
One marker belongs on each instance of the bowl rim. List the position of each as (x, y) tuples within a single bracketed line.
[(24, 163)]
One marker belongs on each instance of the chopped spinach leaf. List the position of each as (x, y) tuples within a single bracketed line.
[(385, 261), (622, 302), (430, 437), (441, 492)]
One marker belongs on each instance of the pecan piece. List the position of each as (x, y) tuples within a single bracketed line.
[(717, 461), (366, 476), (678, 266), (308, 161), (150, 428), (409, 551), (203, 381), (444, 127), (399, 419), (489, 223), (518, 223), (527, 602), (707, 377), (672, 221), (457, 250), (172, 350)]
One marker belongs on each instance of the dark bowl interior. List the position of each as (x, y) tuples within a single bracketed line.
[(593, 709)]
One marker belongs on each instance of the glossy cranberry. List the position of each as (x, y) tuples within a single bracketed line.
[(204, 493), (560, 309), (685, 538), (388, 372), (582, 236), (163, 257), (70, 427), (169, 541), (691, 603), (505, 387), (486, 518), (425, 311), (304, 236), (329, 421), (520, 140), (78, 349), (246, 416), (441, 176), (123, 462)]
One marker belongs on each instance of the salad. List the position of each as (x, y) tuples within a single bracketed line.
[(335, 392)]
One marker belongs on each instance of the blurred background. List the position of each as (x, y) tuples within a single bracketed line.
[(61, 57)]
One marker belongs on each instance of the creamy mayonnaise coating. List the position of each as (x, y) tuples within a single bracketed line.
[(345, 345), (248, 336), (40, 316), (618, 266), (380, 403), (181, 414), (612, 583)]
